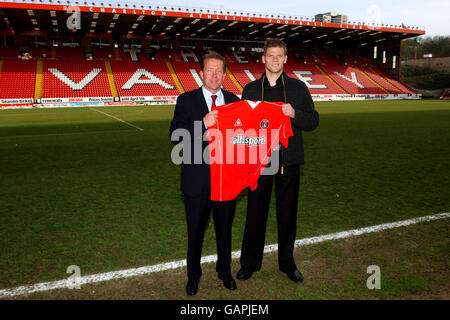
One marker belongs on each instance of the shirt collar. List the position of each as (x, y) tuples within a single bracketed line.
[(277, 83), (220, 100)]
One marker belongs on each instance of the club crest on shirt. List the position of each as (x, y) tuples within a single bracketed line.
[(238, 123), (264, 124)]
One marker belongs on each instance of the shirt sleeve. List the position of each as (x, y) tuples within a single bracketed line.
[(286, 131)]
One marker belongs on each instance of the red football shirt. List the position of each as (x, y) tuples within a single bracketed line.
[(241, 143)]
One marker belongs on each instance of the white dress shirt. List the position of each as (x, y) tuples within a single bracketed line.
[(220, 100)]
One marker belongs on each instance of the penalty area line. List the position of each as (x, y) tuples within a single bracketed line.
[(118, 119), (121, 274)]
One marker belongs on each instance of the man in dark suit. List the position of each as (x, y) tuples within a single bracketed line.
[(275, 86), (193, 115)]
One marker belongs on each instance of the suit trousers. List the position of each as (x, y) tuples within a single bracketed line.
[(198, 211), (287, 186)]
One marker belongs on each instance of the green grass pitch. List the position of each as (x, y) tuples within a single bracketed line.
[(81, 188)]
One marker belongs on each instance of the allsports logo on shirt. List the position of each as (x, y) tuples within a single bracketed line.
[(249, 141)]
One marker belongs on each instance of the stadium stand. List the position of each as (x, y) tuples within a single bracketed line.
[(71, 76), (445, 94), (348, 77), (8, 52), (402, 87), (188, 73), (17, 79), (143, 78), (66, 73), (139, 55), (103, 53), (244, 73), (315, 80), (162, 54), (376, 73), (41, 52), (230, 86)]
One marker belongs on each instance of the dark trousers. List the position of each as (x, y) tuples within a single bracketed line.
[(287, 187), (198, 210)]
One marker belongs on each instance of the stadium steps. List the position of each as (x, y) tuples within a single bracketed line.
[(233, 78), (371, 80), (175, 77), (381, 80), (53, 53), (327, 75), (117, 55), (228, 59), (39, 79), (112, 83), (175, 56), (387, 80), (406, 87)]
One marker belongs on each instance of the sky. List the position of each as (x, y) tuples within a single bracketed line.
[(431, 14)]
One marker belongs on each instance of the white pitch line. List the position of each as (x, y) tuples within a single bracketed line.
[(63, 134), (118, 119), (114, 275)]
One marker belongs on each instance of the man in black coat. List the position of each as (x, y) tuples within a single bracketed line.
[(275, 86), (193, 115)]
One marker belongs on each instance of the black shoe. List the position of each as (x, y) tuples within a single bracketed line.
[(295, 276), (243, 275), (192, 288), (228, 282)]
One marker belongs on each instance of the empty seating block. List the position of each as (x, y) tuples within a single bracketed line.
[(245, 73), (40, 52), (17, 80), (316, 81), (66, 73), (8, 52), (348, 77), (103, 53), (70, 76), (143, 78), (189, 75)]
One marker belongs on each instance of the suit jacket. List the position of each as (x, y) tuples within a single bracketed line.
[(191, 107), (306, 116)]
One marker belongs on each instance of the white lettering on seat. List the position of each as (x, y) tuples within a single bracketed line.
[(76, 86), (196, 77), (187, 55), (133, 53), (354, 79), (152, 79), (240, 58), (307, 80), (250, 75)]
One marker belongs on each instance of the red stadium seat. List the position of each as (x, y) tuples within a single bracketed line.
[(71, 76), (17, 80), (143, 79), (188, 73), (348, 77)]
